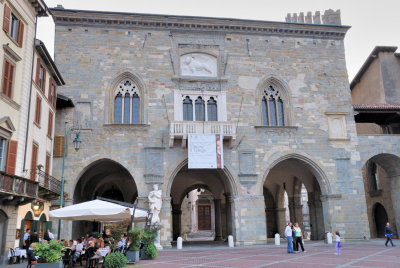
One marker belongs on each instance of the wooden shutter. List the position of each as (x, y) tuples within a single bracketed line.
[(50, 126), (5, 76), (34, 161), (50, 88), (55, 96), (47, 167), (20, 33), (38, 109), (58, 149), (44, 81), (10, 80), (11, 156), (6, 19), (37, 71)]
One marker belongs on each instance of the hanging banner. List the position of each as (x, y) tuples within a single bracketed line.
[(205, 151)]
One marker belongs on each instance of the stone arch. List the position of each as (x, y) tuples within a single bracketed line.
[(316, 168), (141, 87), (278, 84), (381, 177), (225, 172), (103, 177), (193, 187)]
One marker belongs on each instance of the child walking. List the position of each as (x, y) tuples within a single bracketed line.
[(338, 245)]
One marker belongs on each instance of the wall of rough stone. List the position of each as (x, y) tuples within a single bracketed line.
[(313, 74)]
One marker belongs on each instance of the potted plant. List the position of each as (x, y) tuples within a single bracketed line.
[(135, 236), (149, 250), (49, 254), (115, 260)]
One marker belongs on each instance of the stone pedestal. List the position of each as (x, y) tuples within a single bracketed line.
[(157, 242), (166, 222)]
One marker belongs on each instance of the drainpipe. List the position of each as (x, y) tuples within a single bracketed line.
[(30, 96)]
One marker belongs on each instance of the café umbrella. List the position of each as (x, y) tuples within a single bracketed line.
[(98, 210)]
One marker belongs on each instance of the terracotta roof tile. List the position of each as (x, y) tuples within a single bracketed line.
[(377, 106)]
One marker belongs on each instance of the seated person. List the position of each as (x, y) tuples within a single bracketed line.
[(121, 243), (30, 254), (71, 245), (78, 249)]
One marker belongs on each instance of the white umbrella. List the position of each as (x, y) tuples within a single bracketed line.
[(95, 210)]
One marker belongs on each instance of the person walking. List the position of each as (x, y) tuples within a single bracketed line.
[(388, 234), (299, 237), (288, 235), (295, 248), (48, 235), (338, 245)]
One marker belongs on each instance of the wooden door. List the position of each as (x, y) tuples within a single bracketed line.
[(204, 217)]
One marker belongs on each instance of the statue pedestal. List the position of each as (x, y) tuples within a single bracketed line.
[(158, 239)]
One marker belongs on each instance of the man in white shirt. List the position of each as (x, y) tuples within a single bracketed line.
[(288, 235)]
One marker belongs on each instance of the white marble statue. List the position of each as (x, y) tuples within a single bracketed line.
[(155, 201)]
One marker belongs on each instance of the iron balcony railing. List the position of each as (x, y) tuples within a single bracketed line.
[(18, 186), (46, 181)]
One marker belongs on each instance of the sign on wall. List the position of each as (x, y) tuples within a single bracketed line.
[(205, 151)]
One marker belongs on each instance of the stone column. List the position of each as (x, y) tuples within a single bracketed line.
[(321, 223), (218, 227), (249, 211), (312, 214), (292, 209), (166, 222), (298, 213), (66, 226), (176, 220), (228, 213), (281, 214)]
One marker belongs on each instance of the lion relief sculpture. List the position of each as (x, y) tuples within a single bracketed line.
[(198, 64)]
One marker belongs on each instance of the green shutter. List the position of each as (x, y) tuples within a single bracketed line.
[(49, 224), (22, 233)]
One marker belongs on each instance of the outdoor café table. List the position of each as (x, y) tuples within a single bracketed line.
[(18, 252)]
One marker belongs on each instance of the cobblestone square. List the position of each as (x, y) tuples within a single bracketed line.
[(354, 254)]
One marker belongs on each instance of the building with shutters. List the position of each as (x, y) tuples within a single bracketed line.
[(20, 190), (278, 93)]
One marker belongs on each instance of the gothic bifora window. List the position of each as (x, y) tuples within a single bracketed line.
[(272, 108), (199, 108), (126, 103)]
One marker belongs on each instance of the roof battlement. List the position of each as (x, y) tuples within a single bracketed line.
[(330, 17)]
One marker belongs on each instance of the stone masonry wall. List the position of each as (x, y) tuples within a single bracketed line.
[(313, 71)]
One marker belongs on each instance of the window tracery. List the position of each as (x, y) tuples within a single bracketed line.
[(272, 108), (126, 103)]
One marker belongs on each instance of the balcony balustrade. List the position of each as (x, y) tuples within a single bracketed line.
[(180, 130), (15, 190), (49, 187)]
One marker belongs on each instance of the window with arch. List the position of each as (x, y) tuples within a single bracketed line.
[(127, 103), (272, 108), (199, 108), (374, 177)]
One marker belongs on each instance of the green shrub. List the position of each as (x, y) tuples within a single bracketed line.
[(151, 251), (49, 252), (135, 237), (116, 260)]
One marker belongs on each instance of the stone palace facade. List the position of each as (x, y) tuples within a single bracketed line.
[(278, 92)]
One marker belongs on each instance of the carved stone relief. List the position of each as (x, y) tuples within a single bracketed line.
[(198, 64), (154, 165), (83, 115), (337, 126)]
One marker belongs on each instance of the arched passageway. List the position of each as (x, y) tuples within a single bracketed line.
[(201, 201), (381, 176), (103, 178), (292, 192), (380, 218)]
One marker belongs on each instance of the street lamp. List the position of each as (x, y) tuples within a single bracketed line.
[(77, 143)]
